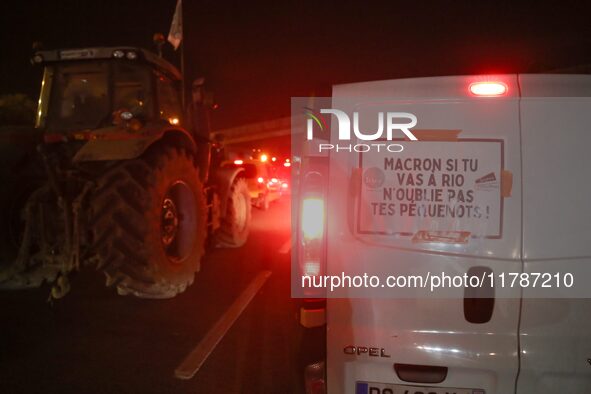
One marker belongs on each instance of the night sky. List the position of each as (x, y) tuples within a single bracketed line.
[(257, 55)]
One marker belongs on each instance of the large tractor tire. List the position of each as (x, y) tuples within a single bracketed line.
[(235, 225), (148, 220)]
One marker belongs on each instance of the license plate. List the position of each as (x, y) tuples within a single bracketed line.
[(385, 388)]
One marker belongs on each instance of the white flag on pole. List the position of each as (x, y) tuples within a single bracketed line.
[(176, 28)]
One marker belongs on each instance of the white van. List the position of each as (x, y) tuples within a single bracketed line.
[(531, 137)]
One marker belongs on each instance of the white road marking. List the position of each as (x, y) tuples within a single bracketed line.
[(286, 247), (194, 360)]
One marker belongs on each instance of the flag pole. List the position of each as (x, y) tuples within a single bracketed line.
[(175, 37), (184, 82)]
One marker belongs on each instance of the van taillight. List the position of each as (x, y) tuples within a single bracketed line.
[(312, 218), (312, 225), (312, 240), (488, 89)]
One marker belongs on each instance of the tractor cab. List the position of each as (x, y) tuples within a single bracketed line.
[(94, 88)]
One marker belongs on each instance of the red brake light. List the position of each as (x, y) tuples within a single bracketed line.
[(311, 226), (260, 179), (313, 218), (238, 162), (488, 89)]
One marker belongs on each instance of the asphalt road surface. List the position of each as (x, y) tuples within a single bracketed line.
[(94, 341)]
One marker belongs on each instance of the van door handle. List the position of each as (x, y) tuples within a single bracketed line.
[(420, 373), (479, 302)]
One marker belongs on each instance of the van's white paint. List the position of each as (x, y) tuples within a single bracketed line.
[(555, 127)]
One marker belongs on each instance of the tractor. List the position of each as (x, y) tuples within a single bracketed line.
[(117, 175)]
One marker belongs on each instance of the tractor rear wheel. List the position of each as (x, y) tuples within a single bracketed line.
[(148, 219), (235, 225)]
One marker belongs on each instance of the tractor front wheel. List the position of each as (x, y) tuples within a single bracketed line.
[(235, 225)]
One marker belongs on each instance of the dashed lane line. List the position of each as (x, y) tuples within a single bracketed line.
[(194, 360)]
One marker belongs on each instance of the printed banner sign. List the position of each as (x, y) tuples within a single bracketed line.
[(433, 186)]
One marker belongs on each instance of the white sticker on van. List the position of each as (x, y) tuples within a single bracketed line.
[(433, 186)]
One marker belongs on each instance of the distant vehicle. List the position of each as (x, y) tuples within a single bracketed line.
[(283, 175), (116, 175), (263, 186), (513, 149)]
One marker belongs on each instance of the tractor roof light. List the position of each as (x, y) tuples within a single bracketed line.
[(118, 54), (131, 55), (488, 89)]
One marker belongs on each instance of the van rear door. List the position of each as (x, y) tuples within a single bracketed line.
[(403, 339), (555, 334)]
